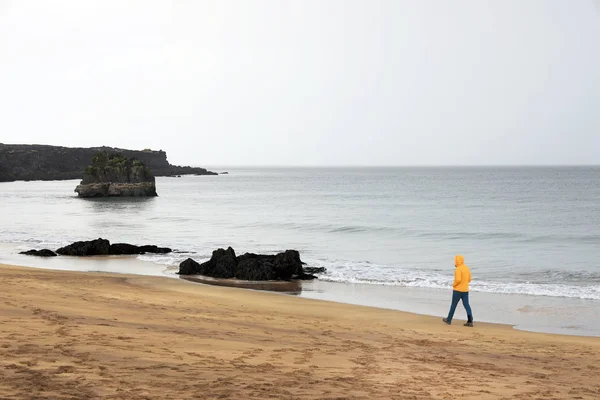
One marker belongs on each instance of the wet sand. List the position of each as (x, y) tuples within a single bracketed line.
[(287, 287), (74, 335), (562, 315)]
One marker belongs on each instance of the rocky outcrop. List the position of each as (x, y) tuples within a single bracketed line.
[(252, 267), (154, 249), (102, 247), (126, 249), (222, 264), (189, 267), (40, 162), (142, 189), (114, 175), (123, 249), (39, 253), (98, 247)]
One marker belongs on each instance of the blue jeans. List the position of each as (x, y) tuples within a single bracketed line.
[(456, 297)]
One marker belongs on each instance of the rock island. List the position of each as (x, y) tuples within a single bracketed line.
[(114, 175)]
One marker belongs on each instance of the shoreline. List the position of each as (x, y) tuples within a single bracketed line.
[(562, 316), (122, 336), (291, 289)]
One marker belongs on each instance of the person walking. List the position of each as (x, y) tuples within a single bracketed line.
[(460, 286)]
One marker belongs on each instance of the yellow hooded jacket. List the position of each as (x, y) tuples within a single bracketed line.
[(462, 275)]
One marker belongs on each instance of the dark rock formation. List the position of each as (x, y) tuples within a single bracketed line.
[(102, 247), (127, 249), (288, 263), (154, 249), (116, 176), (123, 249), (222, 264), (252, 267), (189, 267), (39, 162), (39, 253), (98, 247)]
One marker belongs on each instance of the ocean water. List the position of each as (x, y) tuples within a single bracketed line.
[(526, 233)]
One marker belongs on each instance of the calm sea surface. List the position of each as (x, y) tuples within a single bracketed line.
[(523, 231)]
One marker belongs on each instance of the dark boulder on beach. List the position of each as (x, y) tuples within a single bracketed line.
[(288, 264), (222, 264), (128, 249), (252, 267), (123, 249), (154, 249), (282, 266), (39, 253), (98, 247), (189, 267), (102, 247)]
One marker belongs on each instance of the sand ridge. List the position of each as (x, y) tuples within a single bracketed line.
[(76, 335)]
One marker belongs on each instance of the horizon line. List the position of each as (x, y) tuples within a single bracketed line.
[(403, 166)]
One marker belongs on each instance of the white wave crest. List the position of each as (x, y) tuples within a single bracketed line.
[(372, 274)]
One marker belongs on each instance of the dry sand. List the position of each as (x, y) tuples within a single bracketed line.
[(75, 335)]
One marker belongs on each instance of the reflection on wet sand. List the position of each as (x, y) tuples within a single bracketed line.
[(288, 287)]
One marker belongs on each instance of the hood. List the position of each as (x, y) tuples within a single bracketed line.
[(459, 260)]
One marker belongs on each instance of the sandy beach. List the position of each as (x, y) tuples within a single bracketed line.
[(77, 335)]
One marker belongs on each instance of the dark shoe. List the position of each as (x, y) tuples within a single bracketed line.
[(446, 321), (468, 324)]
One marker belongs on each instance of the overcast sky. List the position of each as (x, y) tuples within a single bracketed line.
[(307, 82)]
